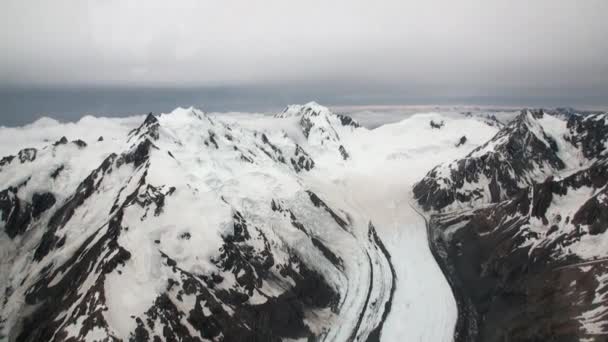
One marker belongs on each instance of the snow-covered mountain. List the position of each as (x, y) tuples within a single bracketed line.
[(193, 226), (321, 127), (519, 226), (189, 229)]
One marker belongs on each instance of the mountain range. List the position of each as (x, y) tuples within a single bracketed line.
[(305, 225)]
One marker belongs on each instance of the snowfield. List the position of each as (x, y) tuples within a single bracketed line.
[(202, 175)]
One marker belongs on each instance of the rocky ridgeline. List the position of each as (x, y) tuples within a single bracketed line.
[(519, 227)]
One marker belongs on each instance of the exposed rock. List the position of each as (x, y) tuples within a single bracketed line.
[(61, 141), (27, 155), (301, 160), (41, 202), (461, 141), (57, 171), (79, 143), (15, 213), (343, 152), (436, 125), (6, 160), (589, 133), (346, 120), (149, 128)]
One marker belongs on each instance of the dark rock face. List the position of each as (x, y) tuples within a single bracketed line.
[(139, 154), (589, 133), (79, 143), (343, 152), (514, 289), (348, 121), (436, 125), (57, 171), (521, 267), (61, 141), (6, 160), (41, 202), (16, 213), (461, 141), (301, 160), (27, 155)]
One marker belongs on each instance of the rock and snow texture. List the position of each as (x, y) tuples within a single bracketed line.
[(182, 227), (321, 128), (297, 226), (376, 182), (520, 228)]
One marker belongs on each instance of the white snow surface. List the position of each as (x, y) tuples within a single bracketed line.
[(374, 184)]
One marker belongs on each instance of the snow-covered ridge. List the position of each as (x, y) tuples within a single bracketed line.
[(320, 126), (532, 147), (186, 227)]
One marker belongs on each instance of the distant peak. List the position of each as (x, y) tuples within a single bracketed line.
[(43, 122), (528, 114), (148, 128), (150, 119), (187, 112), (310, 108)]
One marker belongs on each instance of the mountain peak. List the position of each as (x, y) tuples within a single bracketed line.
[(310, 108), (527, 150), (148, 128)]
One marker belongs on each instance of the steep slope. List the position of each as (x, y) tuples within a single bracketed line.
[(189, 229), (527, 260), (320, 126), (531, 148)]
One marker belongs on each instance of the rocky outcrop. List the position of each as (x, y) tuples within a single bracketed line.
[(589, 134)]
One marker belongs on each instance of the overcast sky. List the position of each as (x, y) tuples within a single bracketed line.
[(441, 47)]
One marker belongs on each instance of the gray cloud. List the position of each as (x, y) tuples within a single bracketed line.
[(445, 48)]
